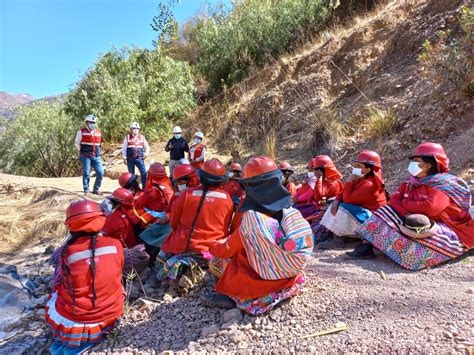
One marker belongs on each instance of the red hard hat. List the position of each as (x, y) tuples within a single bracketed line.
[(182, 171), (122, 196), (157, 169), (436, 151), (82, 209), (285, 166), (236, 167), (127, 179), (369, 157), (259, 166), (214, 167), (321, 161)]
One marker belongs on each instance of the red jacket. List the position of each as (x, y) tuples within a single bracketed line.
[(158, 199), (119, 225), (436, 205), (365, 193), (304, 194), (234, 188), (109, 261), (239, 279), (212, 223), (326, 189), (291, 187)]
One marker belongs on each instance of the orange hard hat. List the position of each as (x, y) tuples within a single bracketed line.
[(214, 167), (434, 150), (122, 196), (126, 180), (369, 157), (182, 171), (82, 209), (236, 167), (157, 169), (258, 166), (321, 161), (285, 166)]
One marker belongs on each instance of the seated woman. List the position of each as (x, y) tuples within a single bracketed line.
[(287, 181), (200, 216), (305, 193), (153, 208), (232, 186), (88, 301), (184, 176), (270, 249), (122, 224), (129, 181), (433, 195), (363, 193)]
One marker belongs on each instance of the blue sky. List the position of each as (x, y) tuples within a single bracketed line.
[(45, 45)]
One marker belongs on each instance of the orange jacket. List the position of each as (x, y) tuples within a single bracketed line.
[(291, 187), (156, 198), (119, 225), (212, 223), (239, 279)]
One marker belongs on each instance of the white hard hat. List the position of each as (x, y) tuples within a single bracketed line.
[(134, 125), (199, 135), (91, 118), (177, 129)]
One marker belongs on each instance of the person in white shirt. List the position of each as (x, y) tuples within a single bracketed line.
[(135, 150), (87, 142)]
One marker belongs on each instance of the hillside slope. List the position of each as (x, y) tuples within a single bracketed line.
[(372, 61)]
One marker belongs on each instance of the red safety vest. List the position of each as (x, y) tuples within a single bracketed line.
[(196, 152), (135, 146), (90, 142)]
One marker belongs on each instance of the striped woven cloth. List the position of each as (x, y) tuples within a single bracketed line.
[(277, 250)]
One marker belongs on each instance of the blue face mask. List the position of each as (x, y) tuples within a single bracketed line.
[(91, 125), (177, 136), (197, 141)]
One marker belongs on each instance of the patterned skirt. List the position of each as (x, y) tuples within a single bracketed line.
[(73, 334), (136, 258), (383, 232)]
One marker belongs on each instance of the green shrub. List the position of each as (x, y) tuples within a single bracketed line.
[(449, 60), (39, 142), (133, 85), (254, 31)]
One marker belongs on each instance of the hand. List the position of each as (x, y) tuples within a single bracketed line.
[(144, 156), (170, 146), (318, 174), (125, 161), (162, 220), (334, 208)]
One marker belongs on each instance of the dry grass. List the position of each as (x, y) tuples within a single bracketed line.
[(327, 132), (28, 215), (379, 122), (270, 144)]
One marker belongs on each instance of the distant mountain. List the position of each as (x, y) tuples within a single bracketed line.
[(9, 101)]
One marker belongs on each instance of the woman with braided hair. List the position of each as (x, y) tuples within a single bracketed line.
[(88, 301), (200, 216)]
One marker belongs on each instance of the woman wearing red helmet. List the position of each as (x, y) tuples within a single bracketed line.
[(200, 216), (305, 193), (287, 171), (427, 220), (129, 181), (232, 186), (270, 248), (88, 300), (363, 193)]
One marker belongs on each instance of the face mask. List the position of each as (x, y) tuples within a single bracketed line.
[(311, 174), (230, 174), (177, 136), (135, 131), (91, 125), (357, 171), (182, 187), (197, 141), (414, 168)]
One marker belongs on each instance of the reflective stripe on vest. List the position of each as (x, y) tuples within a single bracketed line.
[(90, 142), (135, 146)]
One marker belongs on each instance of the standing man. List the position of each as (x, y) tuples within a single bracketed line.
[(197, 152), (135, 150), (88, 141), (177, 146)]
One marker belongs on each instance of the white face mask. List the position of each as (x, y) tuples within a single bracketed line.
[(414, 168), (230, 174), (182, 187), (135, 131), (357, 171), (311, 174)]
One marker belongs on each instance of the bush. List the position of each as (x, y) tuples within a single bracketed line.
[(39, 142), (133, 85), (448, 62), (379, 122), (251, 33)]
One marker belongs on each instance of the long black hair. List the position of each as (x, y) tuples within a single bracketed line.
[(434, 164), (65, 266)]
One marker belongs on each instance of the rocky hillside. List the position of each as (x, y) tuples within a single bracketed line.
[(323, 97), (8, 101)]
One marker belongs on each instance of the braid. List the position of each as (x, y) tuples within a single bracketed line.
[(66, 270), (201, 203), (93, 241)]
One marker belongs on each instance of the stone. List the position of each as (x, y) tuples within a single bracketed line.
[(144, 304), (49, 250), (229, 324), (470, 291), (232, 315), (209, 330), (167, 297)]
